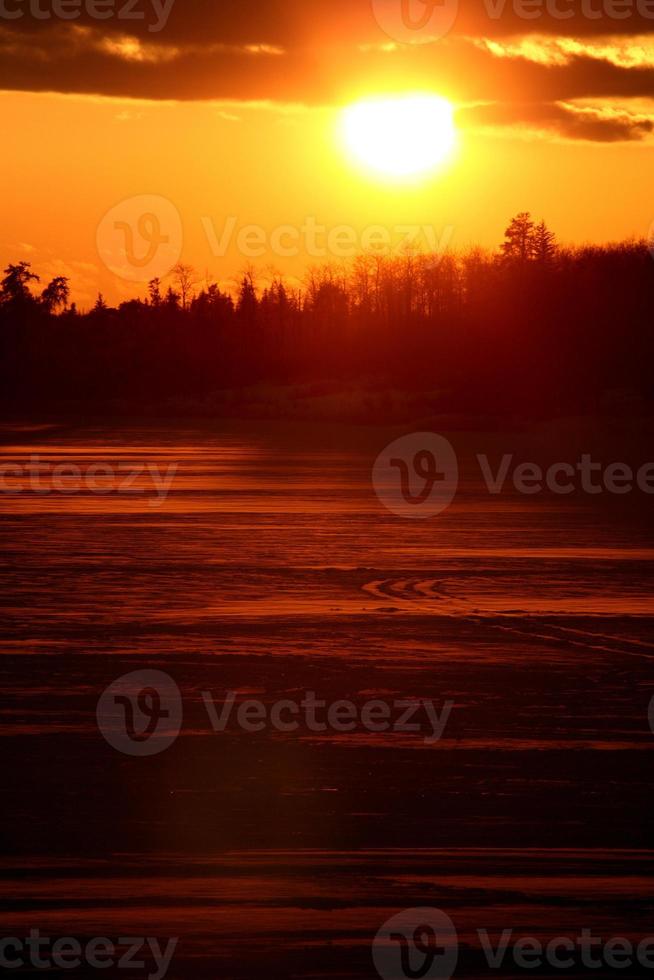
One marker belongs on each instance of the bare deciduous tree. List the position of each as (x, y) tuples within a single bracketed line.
[(185, 278)]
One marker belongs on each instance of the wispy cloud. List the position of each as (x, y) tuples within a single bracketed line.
[(624, 52)]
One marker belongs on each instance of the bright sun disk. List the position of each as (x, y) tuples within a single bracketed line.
[(400, 137)]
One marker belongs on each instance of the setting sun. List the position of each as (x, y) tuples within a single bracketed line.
[(400, 137)]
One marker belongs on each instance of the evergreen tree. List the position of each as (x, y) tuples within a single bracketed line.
[(518, 242)]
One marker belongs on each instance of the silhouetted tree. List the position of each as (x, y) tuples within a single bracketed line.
[(543, 244), (185, 278), (211, 301), (247, 303), (14, 288), (154, 292), (55, 295), (172, 299), (537, 328), (518, 242)]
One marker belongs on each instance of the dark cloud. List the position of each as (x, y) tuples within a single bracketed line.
[(68, 58), (324, 52), (290, 23), (567, 121)]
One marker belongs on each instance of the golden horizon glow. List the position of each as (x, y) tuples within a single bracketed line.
[(400, 137), (213, 178)]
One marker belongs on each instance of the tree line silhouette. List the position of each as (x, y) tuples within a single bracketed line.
[(534, 327)]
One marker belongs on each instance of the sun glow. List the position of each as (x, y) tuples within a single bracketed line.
[(400, 137)]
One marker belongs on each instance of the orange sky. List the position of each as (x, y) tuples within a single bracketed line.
[(546, 122)]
